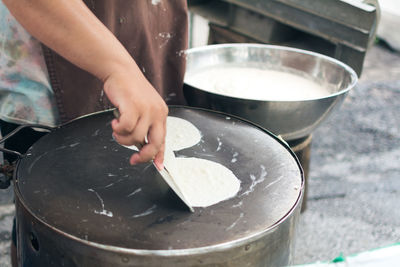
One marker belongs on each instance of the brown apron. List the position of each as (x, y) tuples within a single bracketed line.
[(155, 34)]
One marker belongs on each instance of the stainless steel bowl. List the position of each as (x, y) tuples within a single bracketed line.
[(289, 119)]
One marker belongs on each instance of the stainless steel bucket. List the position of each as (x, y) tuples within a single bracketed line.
[(75, 207)]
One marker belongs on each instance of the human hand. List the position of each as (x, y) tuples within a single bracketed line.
[(143, 115), (92, 47)]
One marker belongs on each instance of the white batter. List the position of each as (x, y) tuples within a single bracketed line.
[(202, 182), (181, 134), (254, 83)]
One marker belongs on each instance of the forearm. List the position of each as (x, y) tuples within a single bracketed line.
[(73, 31)]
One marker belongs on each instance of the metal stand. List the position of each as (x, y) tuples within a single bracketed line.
[(302, 149), (339, 29)]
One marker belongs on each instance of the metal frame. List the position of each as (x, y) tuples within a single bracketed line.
[(347, 24)]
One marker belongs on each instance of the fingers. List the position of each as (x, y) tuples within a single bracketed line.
[(134, 134), (125, 124), (142, 113), (154, 148), (159, 158), (128, 133)]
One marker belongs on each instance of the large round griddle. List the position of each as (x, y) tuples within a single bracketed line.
[(77, 180)]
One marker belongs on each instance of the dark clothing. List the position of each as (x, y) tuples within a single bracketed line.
[(154, 34)]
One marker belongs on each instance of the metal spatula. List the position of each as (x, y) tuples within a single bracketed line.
[(165, 175)]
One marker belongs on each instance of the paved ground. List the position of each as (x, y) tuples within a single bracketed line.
[(354, 184), (6, 217)]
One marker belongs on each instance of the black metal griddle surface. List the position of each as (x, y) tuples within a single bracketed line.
[(78, 180)]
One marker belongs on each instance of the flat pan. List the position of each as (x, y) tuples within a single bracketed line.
[(77, 179)]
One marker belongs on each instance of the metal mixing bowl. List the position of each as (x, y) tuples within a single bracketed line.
[(289, 119)]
